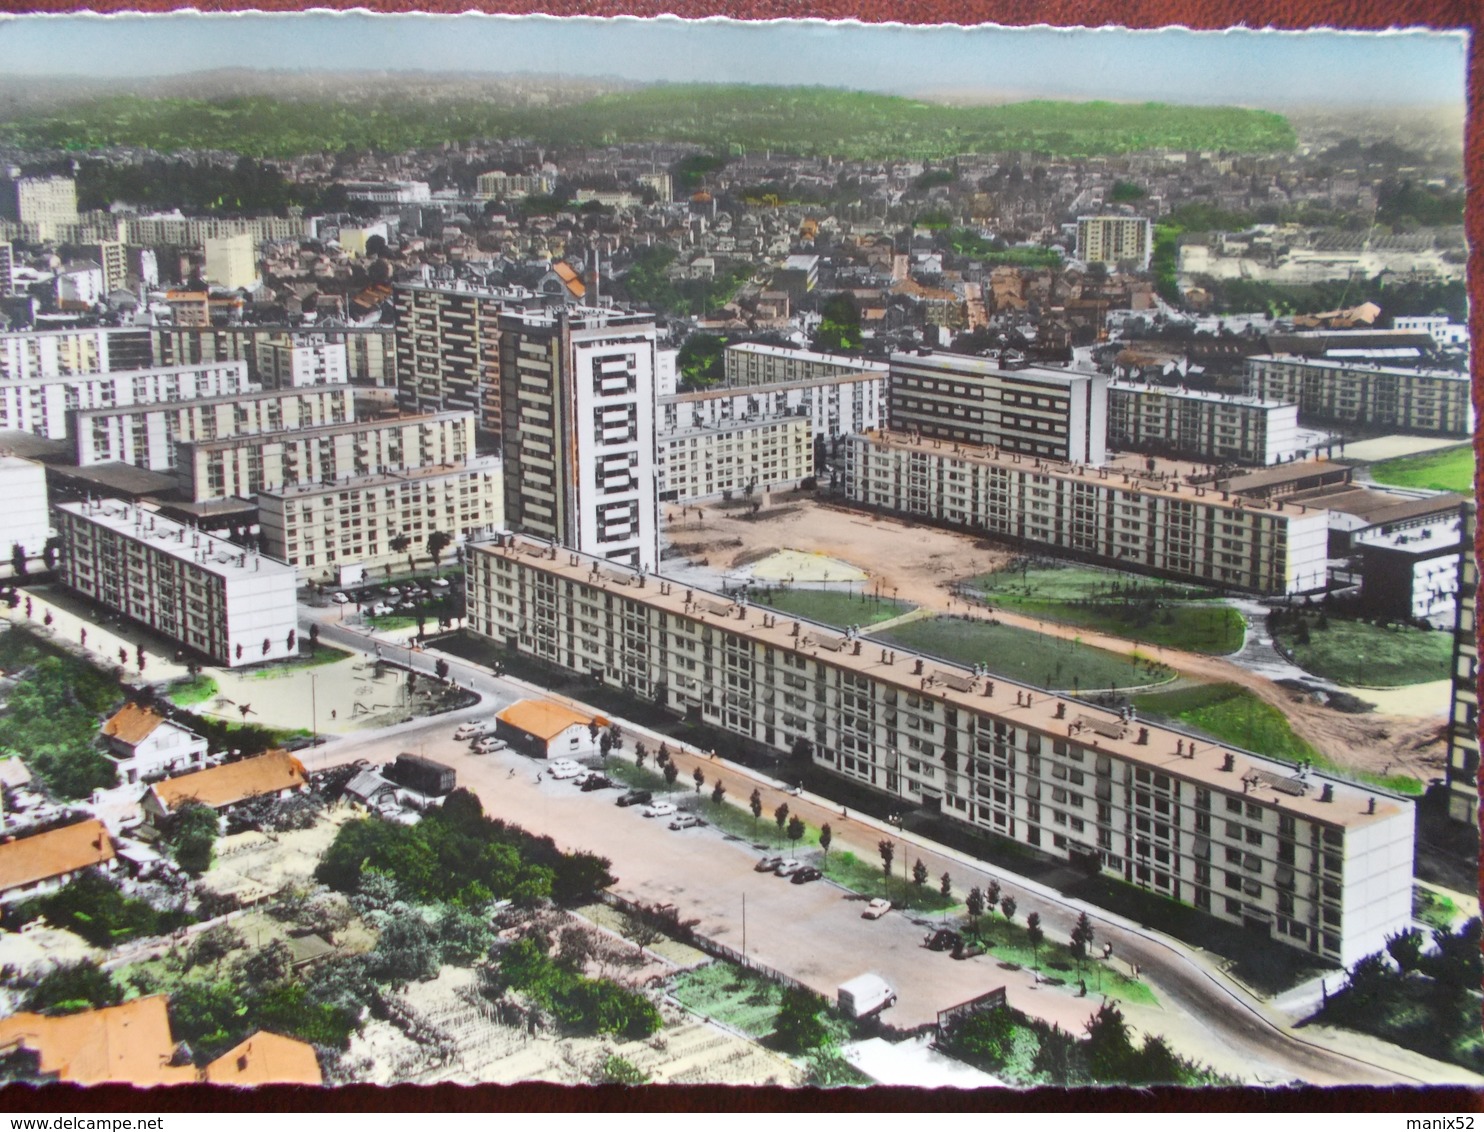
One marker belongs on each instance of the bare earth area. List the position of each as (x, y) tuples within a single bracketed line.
[(919, 564)]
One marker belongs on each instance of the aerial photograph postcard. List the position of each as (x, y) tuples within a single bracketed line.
[(661, 552)]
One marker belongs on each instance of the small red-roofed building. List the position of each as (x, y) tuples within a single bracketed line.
[(548, 730), (143, 744), (222, 787), (35, 865)]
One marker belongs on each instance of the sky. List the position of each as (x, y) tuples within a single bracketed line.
[(1246, 68)]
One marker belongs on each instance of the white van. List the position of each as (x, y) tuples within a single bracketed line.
[(865, 995)]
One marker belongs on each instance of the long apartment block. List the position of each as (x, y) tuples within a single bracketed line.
[(1318, 863), (242, 466), (280, 357), (760, 455), (236, 606), (1463, 722), (1214, 427), (45, 405), (146, 435), (1049, 413), (50, 353), (1153, 524), (833, 406), (1337, 392), (317, 528), (753, 363)]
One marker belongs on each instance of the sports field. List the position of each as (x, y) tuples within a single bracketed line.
[(1448, 469)]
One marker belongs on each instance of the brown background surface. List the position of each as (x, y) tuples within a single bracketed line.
[(1208, 14)]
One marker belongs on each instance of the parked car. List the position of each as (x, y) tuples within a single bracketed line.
[(767, 865), (596, 782), (489, 745), (806, 874), (635, 798), (876, 909), (564, 768), (943, 939), (686, 821), (441, 583), (788, 868), (339, 598), (380, 609), (471, 730), (659, 809), (394, 591)]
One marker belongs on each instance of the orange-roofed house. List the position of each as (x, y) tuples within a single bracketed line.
[(222, 787), (43, 862), (547, 730), (144, 744), (266, 1059), (131, 1043)]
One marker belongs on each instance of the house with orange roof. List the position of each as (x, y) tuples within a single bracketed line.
[(131, 1044), (143, 744), (222, 787), (547, 730), (32, 866)]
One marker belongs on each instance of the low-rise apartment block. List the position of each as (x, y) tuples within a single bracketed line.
[(834, 405), (145, 435), (321, 527), (742, 456), (242, 466), (1213, 427), (45, 405), (752, 363), (1050, 413), (300, 360), (280, 357), (235, 606), (1318, 864), (1152, 524), (1435, 401)]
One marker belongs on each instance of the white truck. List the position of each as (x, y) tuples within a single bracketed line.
[(865, 995)]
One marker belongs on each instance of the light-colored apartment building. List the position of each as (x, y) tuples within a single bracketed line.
[(1463, 722), (512, 186), (301, 360), (231, 261), (234, 606), (1151, 524), (1214, 427), (1115, 240), (363, 353), (448, 350), (1051, 413), (46, 202), (243, 466), (739, 457), (1315, 863), (25, 520), (578, 430), (145, 435), (753, 363), (319, 528), (833, 406), (175, 230), (1436, 401), (48, 353), (45, 405)]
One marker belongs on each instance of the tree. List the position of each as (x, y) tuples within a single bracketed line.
[(992, 896), (945, 886), (826, 835), (194, 830), (440, 668), (214, 945), (718, 793), (639, 754), (780, 818), (1034, 935), (795, 831), (797, 1026), (840, 326), (617, 1070), (72, 988), (18, 562), (672, 772), (755, 804), (1007, 906), (975, 907), (888, 851), (1081, 937), (438, 542), (398, 543), (1109, 1049), (919, 874), (699, 777)]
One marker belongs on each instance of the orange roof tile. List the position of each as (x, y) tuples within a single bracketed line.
[(132, 723), (130, 1043), (53, 853), (233, 782), (266, 1059), (570, 278), (541, 718)]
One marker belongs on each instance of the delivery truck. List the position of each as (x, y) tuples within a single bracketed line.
[(865, 995)]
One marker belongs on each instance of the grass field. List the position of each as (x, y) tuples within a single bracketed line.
[(731, 995), (318, 656), (1361, 654), (1230, 714), (1010, 943), (1447, 469), (868, 879), (194, 690), (830, 607), (1122, 605), (1023, 654)]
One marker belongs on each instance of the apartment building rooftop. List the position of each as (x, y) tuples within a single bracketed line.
[(767, 388), (807, 355), (226, 443), (336, 390), (383, 479), (207, 552), (1186, 394), (1359, 365), (124, 375), (1162, 749), (721, 427), (972, 365)]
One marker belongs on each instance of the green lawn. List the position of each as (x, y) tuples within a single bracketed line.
[(1361, 654), (868, 879), (1119, 604), (391, 622), (1023, 654), (1447, 469), (317, 656), (731, 995), (831, 607), (1009, 942), (1231, 714), (193, 690)]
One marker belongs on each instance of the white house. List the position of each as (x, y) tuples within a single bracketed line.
[(144, 744), (549, 730)]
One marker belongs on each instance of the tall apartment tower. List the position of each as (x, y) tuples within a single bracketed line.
[(231, 261), (1115, 239), (448, 350), (578, 431), (1463, 722), (45, 202)]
